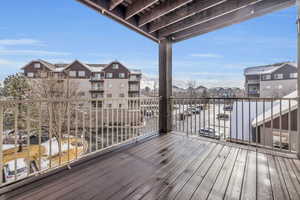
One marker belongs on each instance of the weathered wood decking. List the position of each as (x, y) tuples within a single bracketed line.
[(173, 167)]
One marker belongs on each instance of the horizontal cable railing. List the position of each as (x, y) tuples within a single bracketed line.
[(40, 135), (262, 122)]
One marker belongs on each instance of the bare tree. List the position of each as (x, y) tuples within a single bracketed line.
[(57, 109)]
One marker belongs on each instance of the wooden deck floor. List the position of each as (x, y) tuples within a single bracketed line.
[(173, 167)]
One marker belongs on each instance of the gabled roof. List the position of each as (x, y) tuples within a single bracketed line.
[(46, 64), (266, 69), (59, 67), (276, 109)]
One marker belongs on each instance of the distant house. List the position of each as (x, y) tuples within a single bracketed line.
[(276, 80)]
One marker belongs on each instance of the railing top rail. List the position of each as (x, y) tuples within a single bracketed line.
[(233, 98), (11, 101)]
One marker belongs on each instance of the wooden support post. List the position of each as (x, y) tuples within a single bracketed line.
[(298, 78), (165, 86)]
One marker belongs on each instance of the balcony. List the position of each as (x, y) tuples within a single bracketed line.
[(97, 89), (96, 79), (218, 148)]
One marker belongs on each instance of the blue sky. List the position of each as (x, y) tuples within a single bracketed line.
[(64, 30)]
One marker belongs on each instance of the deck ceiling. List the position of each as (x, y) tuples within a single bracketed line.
[(182, 19)]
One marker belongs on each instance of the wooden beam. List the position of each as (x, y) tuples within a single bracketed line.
[(165, 86), (255, 10), (114, 3), (102, 6), (162, 9), (138, 6), (204, 16), (182, 13)]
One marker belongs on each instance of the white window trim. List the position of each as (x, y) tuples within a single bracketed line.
[(278, 76), (81, 73), (37, 65), (109, 75), (30, 74), (71, 73)]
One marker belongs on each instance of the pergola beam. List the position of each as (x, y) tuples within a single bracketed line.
[(206, 15), (114, 3), (183, 13), (137, 7), (161, 10), (255, 10), (118, 14)]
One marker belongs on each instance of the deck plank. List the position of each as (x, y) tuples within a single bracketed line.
[(278, 186), (234, 188), (219, 188), (164, 162), (171, 190), (192, 184), (54, 186), (173, 167), (249, 184), (264, 189), (287, 179), (203, 190)]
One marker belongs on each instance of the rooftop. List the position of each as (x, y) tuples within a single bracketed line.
[(174, 166), (266, 69)]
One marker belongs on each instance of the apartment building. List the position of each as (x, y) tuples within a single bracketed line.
[(109, 81), (276, 80)]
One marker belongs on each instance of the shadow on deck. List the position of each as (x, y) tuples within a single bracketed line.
[(173, 167)]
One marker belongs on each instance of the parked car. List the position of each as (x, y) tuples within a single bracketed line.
[(228, 107), (209, 132), (222, 116)]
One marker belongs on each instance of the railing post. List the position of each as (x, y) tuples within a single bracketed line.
[(165, 86), (298, 77)]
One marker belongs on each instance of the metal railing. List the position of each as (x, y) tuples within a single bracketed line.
[(41, 135), (262, 122)]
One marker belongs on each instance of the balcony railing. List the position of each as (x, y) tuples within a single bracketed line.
[(261, 122), (37, 136)]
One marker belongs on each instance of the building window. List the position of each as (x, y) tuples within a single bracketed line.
[(109, 105), (122, 85), (109, 95), (30, 74), (110, 85), (120, 105), (293, 75), (266, 77), (278, 76), (121, 95), (37, 65), (81, 73), (72, 73), (279, 86), (109, 75), (121, 75), (115, 66)]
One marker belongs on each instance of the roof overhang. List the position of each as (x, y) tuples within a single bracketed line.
[(179, 20)]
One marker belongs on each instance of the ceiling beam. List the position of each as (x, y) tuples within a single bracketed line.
[(114, 3), (246, 13), (102, 6), (138, 6), (204, 16), (182, 13), (161, 10)]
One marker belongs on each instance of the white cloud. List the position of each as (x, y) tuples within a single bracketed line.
[(15, 42), (206, 55), (33, 53)]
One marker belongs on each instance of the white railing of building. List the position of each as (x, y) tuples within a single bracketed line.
[(37, 136)]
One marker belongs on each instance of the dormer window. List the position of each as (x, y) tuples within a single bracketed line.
[(37, 65), (109, 75), (115, 66), (81, 73), (72, 73)]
